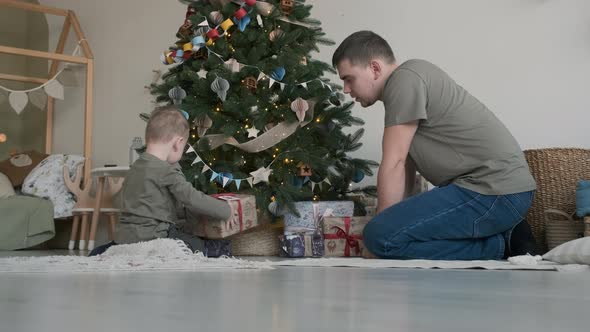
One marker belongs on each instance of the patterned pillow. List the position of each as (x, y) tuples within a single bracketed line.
[(47, 181)]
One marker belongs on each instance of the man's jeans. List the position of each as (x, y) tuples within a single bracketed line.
[(449, 223)]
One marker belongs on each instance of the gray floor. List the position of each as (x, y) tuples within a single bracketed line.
[(296, 299)]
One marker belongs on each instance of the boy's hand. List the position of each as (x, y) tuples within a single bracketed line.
[(232, 220)]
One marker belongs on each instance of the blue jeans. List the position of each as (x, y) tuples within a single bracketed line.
[(449, 223)]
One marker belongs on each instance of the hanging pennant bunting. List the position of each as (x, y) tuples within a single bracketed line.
[(225, 181), (304, 85), (326, 180), (261, 76), (320, 185), (205, 169), (190, 149), (238, 182), (250, 182), (312, 186), (214, 176), (18, 101), (282, 86), (54, 89), (197, 160), (271, 81), (38, 98)]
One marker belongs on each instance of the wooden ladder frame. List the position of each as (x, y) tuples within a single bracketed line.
[(71, 21)]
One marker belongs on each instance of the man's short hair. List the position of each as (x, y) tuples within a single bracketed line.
[(361, 47), (166, 122)]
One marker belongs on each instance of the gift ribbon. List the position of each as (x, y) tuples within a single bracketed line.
[(232, 197), (351, 240)]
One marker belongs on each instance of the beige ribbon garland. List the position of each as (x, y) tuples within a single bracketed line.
[(265, 141)]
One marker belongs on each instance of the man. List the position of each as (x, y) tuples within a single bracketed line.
[(432, 125)]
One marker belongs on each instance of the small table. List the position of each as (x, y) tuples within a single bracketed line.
[(101, 174)]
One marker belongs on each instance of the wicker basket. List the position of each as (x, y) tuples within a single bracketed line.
[(557, 171), (259, 241), (561, 229)]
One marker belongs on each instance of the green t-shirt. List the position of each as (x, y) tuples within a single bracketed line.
[(458, 140)]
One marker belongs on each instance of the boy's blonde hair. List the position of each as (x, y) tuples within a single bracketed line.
[(166, 122)]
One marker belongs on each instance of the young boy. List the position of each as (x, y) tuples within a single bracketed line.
[(155, 191)]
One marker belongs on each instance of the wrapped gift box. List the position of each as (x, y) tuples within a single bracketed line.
[(310, 214), (301, 245), (244, 218), (217, 248), (343, 236)]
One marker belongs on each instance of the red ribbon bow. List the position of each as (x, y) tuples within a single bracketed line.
[(351, 239)]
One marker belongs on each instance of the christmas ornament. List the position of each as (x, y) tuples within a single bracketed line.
[(250, 83), (250, 3), (227, 24), (304, 61), (202, 73), (259, 20), (220, 86), (279, 73), (233, 65), (287, 6), (203, 123), (358, 176), (276, 34), (185, 30), (243, 23), (197, 43), (184, 113), (303, 169), (3, 137), (274, 98), (240, 13), (212, 34), (201, 31), (264, 8), (18, 101), (253, 132), (274, 209), (202, 54), (300, 106), (261, 175), (216, 18), (177, 94)]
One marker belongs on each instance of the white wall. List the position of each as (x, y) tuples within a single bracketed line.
[(528, 60)]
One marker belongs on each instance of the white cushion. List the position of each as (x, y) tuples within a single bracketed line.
[(572, 252), (6, 189), (47, 181)]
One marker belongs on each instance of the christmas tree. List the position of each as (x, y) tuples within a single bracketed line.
[(264, 119)]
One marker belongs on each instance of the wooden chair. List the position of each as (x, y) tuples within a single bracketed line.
[(82, 209), (85, 206)]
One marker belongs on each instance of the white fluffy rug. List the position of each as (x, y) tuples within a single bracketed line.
[(160, 254), (168, 254)]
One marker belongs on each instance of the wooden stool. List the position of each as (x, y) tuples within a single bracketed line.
[(102, 205), (83, 207)]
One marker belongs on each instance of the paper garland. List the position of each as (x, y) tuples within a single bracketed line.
[(18, 99), (260, 175)]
